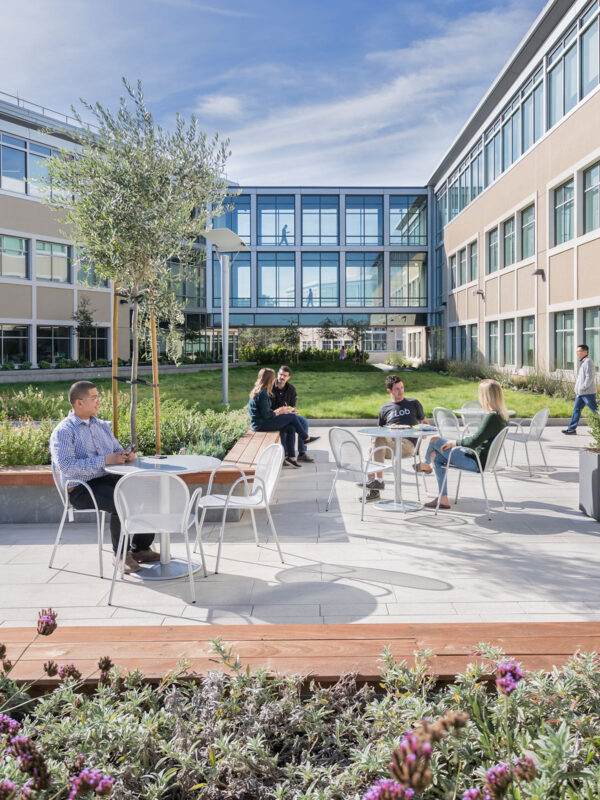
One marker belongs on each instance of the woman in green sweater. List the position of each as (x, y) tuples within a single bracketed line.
[(491, 398), (284, 419)]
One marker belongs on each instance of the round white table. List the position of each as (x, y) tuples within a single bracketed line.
[(167, 568), (397, 504), (480, 412)]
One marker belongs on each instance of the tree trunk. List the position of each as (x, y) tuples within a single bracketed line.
[(155, 381), (134, 369), (115, 364)]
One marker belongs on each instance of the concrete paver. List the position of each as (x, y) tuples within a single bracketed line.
[(536, 561)]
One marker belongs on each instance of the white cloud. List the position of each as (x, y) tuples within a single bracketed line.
[(219, 105)]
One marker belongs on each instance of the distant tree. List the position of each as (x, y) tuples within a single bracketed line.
[(327, 332), (290, 337), (85, 326), (138, 199), (356, 332)]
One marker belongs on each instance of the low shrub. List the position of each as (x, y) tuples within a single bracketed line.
[(244, 735), (25, 365), (101, 362), (67, 363), (8, 366), (24, 443), (34, 404), (44, 364), (542, 382), (83, 362)]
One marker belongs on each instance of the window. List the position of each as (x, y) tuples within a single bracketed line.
[(320, 219), (591, 331), (591, 186), (236, 216), (462, 335), (493, 342), (492, 265), (94, 346), (37, 171), (13, 157), (408, 220), (53, 342), (462, 267), (508, 332), (453, 342), (276, 276), (528, 232), (364, 217), (52, 262), (408, 279), (14, 344), (375, 340), (320, 280), (275, 219), (509, 242), (564, 353), (364, 279), (13, 257), (473, 261), (528, 342), (189, 283), (87, 275), (452, 271), (589, 59), (239, 281), (473, 345), (563, 213)]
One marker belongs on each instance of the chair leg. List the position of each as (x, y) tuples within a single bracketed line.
[(58, 535), (103, 513), (126, 550), (542, 452), (527, 457), (505, 453), (199, 530), (457, 486), (189, 560), (335, 477), (117, 560), (417, 476), (487, 504), (364, 494), (100, 531), (500, 491), (271, 523), (254, 527), (220, 539), (512, 458)]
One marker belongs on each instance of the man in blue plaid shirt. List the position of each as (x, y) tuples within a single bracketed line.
[(81, 446)]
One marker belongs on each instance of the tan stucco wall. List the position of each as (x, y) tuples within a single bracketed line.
[(30, 217), (525, 287), (491, 297), (588, 269), (99, 304), (15, 301), (507, 292), (53, 303), (560, 277)]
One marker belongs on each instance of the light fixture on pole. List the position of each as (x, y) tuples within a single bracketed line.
[(225, 242)]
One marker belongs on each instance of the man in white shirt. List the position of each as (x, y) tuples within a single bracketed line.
[(585, 388)]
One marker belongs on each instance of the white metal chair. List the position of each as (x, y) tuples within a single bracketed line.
[(447, 423), (348, 457), (69, 511), (527, 432), (149, 502), (470, 420), (258, 495), (490, 466)]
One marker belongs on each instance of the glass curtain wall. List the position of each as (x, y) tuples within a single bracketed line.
[(408, 279), (276, 276), (320, 280), (13, 257), (320, 220), (53, 342), (364, 220), (408, 220), (275, 219), (364, 279), (95, 346), (14, 344), (52, 262), (239, 280), (236, 217)]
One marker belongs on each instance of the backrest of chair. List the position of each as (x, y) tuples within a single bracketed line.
[(446, 423), (151, 493), (471, 404), (495, 449), (537, 424), (57, 482), (268, 468), (345, 447)]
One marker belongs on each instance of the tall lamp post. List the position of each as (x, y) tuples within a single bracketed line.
[(225, 242)]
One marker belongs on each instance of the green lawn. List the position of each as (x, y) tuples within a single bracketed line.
[(329, 389)]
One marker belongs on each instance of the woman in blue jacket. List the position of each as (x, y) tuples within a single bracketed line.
[(263, 418)]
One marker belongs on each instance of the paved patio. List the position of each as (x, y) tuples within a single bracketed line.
[(537, 561)]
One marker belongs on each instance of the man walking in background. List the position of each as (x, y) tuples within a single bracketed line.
[(585, 388)]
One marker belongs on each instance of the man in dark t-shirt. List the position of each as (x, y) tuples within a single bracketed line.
[(400, 410), (284, 394)]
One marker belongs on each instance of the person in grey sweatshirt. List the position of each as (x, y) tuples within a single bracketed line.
[(585, 388)]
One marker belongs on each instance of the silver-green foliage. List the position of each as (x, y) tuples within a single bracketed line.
[(250, 736)]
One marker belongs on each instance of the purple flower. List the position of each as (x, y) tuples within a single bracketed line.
[(508, 675), (387, 789), (31, 761), (8, 790), (8, 725), (46, 622), (66, 671), (91, 779), (497, 773), (472, 794)]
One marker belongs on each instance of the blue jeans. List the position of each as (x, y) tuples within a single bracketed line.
[(304, 423), (288, 425), (460, 459), (581, 401)]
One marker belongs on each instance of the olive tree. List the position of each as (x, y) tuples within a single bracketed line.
[(136, 198)]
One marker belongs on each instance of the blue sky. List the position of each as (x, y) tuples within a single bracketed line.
[(309, 92)]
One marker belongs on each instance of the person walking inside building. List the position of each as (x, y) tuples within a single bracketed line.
[(310, 302), (585, 389), (81, 446), (284, 395)]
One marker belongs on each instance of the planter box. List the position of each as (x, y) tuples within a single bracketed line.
[(589, 483)]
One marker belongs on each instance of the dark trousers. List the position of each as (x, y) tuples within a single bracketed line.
[(289, 425), (581, 401), (104, 492)]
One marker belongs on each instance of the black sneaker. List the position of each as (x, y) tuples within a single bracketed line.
[(305, 457), (311, 439), (289, 462), (371, 496), (568, 432), (374, 483)]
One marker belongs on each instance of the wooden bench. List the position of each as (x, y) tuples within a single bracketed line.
[(320, 652)]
